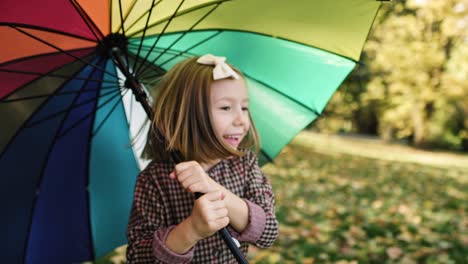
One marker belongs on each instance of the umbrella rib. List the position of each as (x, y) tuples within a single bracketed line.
[(190, 48), (62, 50), (179, 53), (250, 77), (53, 75), (88, 21), (283, 94), (18, 60), (170, 52), (266, 155), (131, 108), (126, 16), (41, 176), (73, 106), (46, 30), (155, 49), (267, 35), (110, 16), (195, 8), (88, 115), (142, 15), (183, 34), (39, 181), (56, 94), (108, 115), (153, 67), (88, 203), (29, 82), (159, 36), (28, 119), (144, 34), (123, 32)]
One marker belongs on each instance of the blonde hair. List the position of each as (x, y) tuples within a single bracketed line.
[(182, 117)]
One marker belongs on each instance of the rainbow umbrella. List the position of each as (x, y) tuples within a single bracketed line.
[(68, 160)]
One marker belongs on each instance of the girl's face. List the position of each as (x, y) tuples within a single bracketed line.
[(230, 110)]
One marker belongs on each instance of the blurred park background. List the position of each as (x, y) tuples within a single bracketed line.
[(382, 175)]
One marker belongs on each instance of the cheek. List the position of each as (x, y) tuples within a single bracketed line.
[(247, 125), (247, 121), (218, 124)]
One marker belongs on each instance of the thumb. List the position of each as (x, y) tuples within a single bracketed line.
[(172, 175)]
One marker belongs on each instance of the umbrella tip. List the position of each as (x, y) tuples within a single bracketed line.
[(111, 43)]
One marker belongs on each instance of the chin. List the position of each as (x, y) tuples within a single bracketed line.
[(233, 147)]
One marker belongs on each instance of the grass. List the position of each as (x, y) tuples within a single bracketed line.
[(356, 200)]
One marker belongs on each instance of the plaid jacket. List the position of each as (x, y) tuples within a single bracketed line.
[(160, 203)]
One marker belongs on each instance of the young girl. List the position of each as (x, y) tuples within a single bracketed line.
[(201, 113)]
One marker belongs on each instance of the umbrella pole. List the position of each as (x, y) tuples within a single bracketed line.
[(141, 96), (132, 83)]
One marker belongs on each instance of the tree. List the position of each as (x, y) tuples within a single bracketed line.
[(413, 84)]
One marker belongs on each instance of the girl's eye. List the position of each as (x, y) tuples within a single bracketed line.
[(245, 109), (226, 108)]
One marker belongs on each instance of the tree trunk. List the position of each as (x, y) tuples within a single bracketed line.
[(417, 116)]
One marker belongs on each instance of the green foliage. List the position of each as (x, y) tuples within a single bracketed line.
[(414, 81)]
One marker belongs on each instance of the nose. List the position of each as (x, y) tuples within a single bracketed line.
[(239, 118)]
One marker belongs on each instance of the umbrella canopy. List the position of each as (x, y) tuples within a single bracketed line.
[(67, 161)]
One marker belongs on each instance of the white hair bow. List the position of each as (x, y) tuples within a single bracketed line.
[(221, 70)]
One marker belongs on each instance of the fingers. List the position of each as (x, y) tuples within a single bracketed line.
[(193, 178), (220, 218), (214, 196), (221, 222), (213, 205), (217, 218), (186, 181), (181, 175), (197, 187), (180, 167), (186, 169), (194, 184), (218, 204), (210, 214), (220, 213)]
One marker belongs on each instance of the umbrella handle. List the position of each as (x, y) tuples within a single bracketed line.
[(229, 240)]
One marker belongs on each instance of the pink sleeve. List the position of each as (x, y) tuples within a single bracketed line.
[(163, 253), (255, 226), (263, 226), (146, 231)]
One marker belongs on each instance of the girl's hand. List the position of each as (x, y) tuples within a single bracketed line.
[(193, 177), (209, 214)]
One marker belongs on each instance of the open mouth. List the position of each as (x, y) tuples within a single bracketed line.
[(233, 140)]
